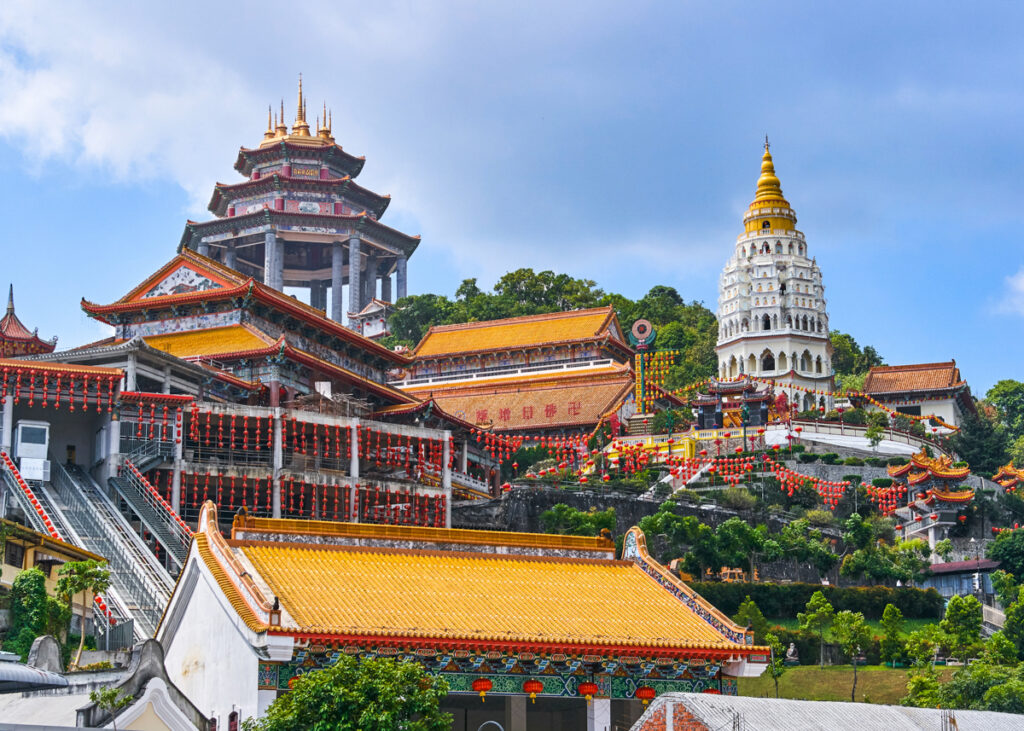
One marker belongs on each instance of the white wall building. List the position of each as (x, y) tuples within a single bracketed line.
[(772, 321)]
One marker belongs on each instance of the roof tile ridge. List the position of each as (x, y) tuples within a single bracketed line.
[(560, 314), (469, 555), (914, 366)]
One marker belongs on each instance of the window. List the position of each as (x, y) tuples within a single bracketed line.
[(14, 554), (766, 225), (32, 434)]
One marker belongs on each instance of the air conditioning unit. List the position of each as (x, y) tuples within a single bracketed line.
[(35, 469)]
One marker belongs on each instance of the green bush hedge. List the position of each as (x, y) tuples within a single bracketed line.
[(882, 482), (807, 458), (854, 480), (785, 600), (854, 462), (897, 461), (875, 461), (830, 458), (798, 448)]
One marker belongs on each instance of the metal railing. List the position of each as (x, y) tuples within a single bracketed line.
[(140, 580), (158, 518), (14, 495)]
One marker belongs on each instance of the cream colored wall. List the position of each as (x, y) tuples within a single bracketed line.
[(148, 720)]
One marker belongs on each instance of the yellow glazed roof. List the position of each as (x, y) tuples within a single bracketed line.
[(476, 597), (515, 332), (210, 342)]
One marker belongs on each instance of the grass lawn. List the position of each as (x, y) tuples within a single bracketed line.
[(909, 625), (875, 683)]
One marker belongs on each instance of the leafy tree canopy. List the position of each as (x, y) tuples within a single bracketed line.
[(1007, 396), (1008, 549), (981, 442), (569, 521), (849, 359), (359, 695)]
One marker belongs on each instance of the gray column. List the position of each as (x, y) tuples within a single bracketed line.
[(599, 714), (231, 257), (318, 294), (400, 278), (370, 280), (337, 282), (385, 287), (179, 462), (446, 478), (203, 248), (353, 471), (167, 379), (129, 373), (8, 436), (355, 279), (113, 446), (272, 260), (515, 713), (464, 458), (278, 463)]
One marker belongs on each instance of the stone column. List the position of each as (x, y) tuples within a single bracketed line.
[(464, 458), (231, 257), (273, 260), (278, 464), (599, 714), (8, 435), (353, 471), (337, 282), (203, 248), (385, 287), (167, 379), (355, 279), (318, 294), (179, 462), (515, 713), (113, 447), (400, 277), (446, 478), (129, 373), (370, 280)]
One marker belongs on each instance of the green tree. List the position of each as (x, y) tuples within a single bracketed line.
[(1013, 626), (749, 615), (1006, 587), (360, 695), (569, 521), (1007, 396), (816, 620), (962, 625), (777, 662), (28, 611), (111, 701), (999, 650), (892, 625), (853, 635), (923, 643), (875, 434), (1016, 452), (1008, 549), (416, 314), (981, 443), (87, 578)]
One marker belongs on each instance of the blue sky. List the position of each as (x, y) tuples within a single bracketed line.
[(615, 141)]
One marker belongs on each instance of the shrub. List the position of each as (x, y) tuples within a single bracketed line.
[(830, 458), (875, 461), (785, 600), (685, 495), (799, 448), (854, 480), (737, 498), (854, 462), (807, 458), (882, 482), (961, 464), (820, 518), (896, 461)]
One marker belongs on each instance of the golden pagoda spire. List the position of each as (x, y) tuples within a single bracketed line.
[(768, 185), (280, 128), (269, 134), (324, 132), (300, 128)]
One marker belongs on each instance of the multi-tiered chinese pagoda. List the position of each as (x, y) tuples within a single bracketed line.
[(300, 220)]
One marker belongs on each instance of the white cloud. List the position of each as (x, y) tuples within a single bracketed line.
[(1012, 301)]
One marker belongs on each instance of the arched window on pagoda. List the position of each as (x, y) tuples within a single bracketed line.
[(775, 318), (817, 364), (766, 323), (778, 247), (790, 247), (767, 249), (765, 225), (782, 362), (789, 321), (752, 364), (767, 361)]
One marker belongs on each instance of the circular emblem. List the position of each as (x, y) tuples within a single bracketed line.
[(642, 329)]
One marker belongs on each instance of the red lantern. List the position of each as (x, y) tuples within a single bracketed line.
[(587, 689), (481, 686), (533, 687), (646, 693)]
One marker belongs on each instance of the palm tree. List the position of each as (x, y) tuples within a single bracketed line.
[(82, 577)]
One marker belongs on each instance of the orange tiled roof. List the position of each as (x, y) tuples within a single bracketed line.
[(562, 402), (917, 377), (210, 342), (516, 332), (51, 367)]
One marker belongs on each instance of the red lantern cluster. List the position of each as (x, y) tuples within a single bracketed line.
[(886, 498), (830, 491), (49, 385)]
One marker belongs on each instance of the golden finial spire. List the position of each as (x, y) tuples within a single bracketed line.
[(280, 128), (269, 134), (301, 127), (324, 132), (768, 185)]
